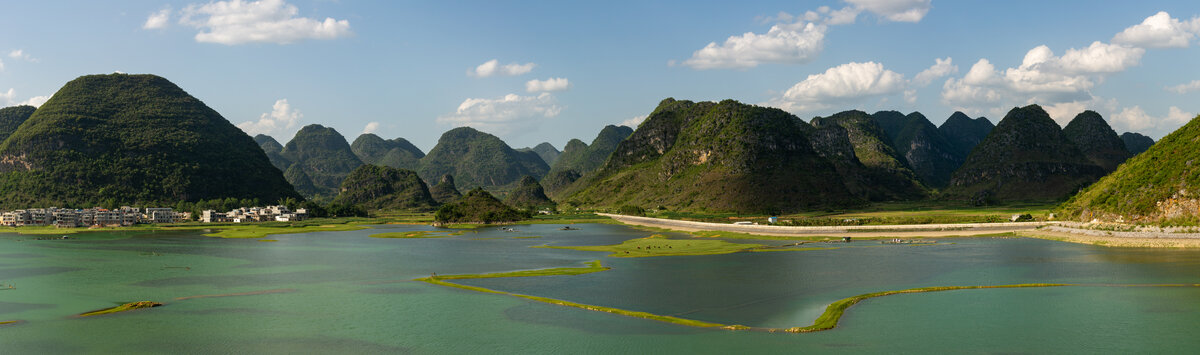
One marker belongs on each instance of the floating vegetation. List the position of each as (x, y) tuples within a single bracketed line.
[(826, 321), (660, 245), (123, 308), (417, 234), (11, 322)]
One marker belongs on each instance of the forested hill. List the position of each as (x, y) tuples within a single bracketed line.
[(131, 139)]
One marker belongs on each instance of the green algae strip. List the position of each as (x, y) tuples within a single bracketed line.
[(122, 308), (417, 234), (11, 322), (826, 321), (659, 245), (252, 231)]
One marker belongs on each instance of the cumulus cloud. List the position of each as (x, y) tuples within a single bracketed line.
[(278, 122), (35, 101), (784, 43), (633, 121), (1184, 88), (8, 96), (895, 10), (1042, 78), (552, 84), (1, 65), (371, 127), (268, 21), (1136, 119), (504, 115), (158, 20), (844, 83), (940, 68), (493, 67), (1159, 31)]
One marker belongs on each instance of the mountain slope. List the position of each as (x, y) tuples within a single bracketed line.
[(1092, 135), (1158, 184), (884, 167), (546, 151), (12, 117), (478, 159), (578, 158), (272, 147), (925, 149), (323, 156), (380, 187), (1136, 143), (708, 156), (397, 153), (965, 133), (131, 139), (1026, 157), (528, 194), (445, 191)]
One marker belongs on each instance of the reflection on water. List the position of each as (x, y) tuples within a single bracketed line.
[(349, 293)]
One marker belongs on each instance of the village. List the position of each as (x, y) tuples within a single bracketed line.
[(127, 216)]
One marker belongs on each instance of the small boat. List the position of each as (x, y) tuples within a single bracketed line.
[(568, 228)]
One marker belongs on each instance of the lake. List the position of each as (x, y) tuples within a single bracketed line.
[(344, 292)]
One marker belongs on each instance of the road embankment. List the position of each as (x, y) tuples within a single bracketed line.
[(874, 231)]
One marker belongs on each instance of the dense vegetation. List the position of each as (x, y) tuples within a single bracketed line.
[(445, 191), (529, 195), (13, 117), (546, 151), (926, 150), (377, 187), (1026, 157), (478, 159), (397, 153), (478, 206), (709, 156), (1136, 143), (1092, 135), (883, 172), (581, 158), (1158, 184), (965, 133), (131, 139), (320, 158), (272, 147)]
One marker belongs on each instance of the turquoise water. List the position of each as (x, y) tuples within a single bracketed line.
[(343, 292)]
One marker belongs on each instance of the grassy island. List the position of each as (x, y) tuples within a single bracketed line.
[(659, 245), (122, 308), (417, 234)]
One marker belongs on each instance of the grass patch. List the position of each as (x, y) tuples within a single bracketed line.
[(417, 234), (123, 308), (592, 266), (833, 313), (259, 231), (659, 245)]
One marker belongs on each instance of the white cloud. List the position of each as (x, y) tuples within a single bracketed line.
[(268, 21), (633, 121), (35, 101), (158, 20), (19, 54), (278, 122), (1042, 78), (505, 114), (895, 10), (1, 65), (371, 127), (1134, 119), (552, 84), (1184, 88), (493, 67), (940, 68), (845, 16), (1159, 31), (844, 83), (9, 96), (784, 43)]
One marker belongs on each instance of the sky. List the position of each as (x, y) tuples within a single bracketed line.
[(550, 71)]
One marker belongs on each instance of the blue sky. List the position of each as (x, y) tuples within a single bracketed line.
[(564, 69)]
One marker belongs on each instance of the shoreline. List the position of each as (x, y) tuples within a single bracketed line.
[(867, 232), (1159, 240)]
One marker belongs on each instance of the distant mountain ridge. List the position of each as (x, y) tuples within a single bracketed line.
[(320, 159), (397, 152), (478, 159)]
